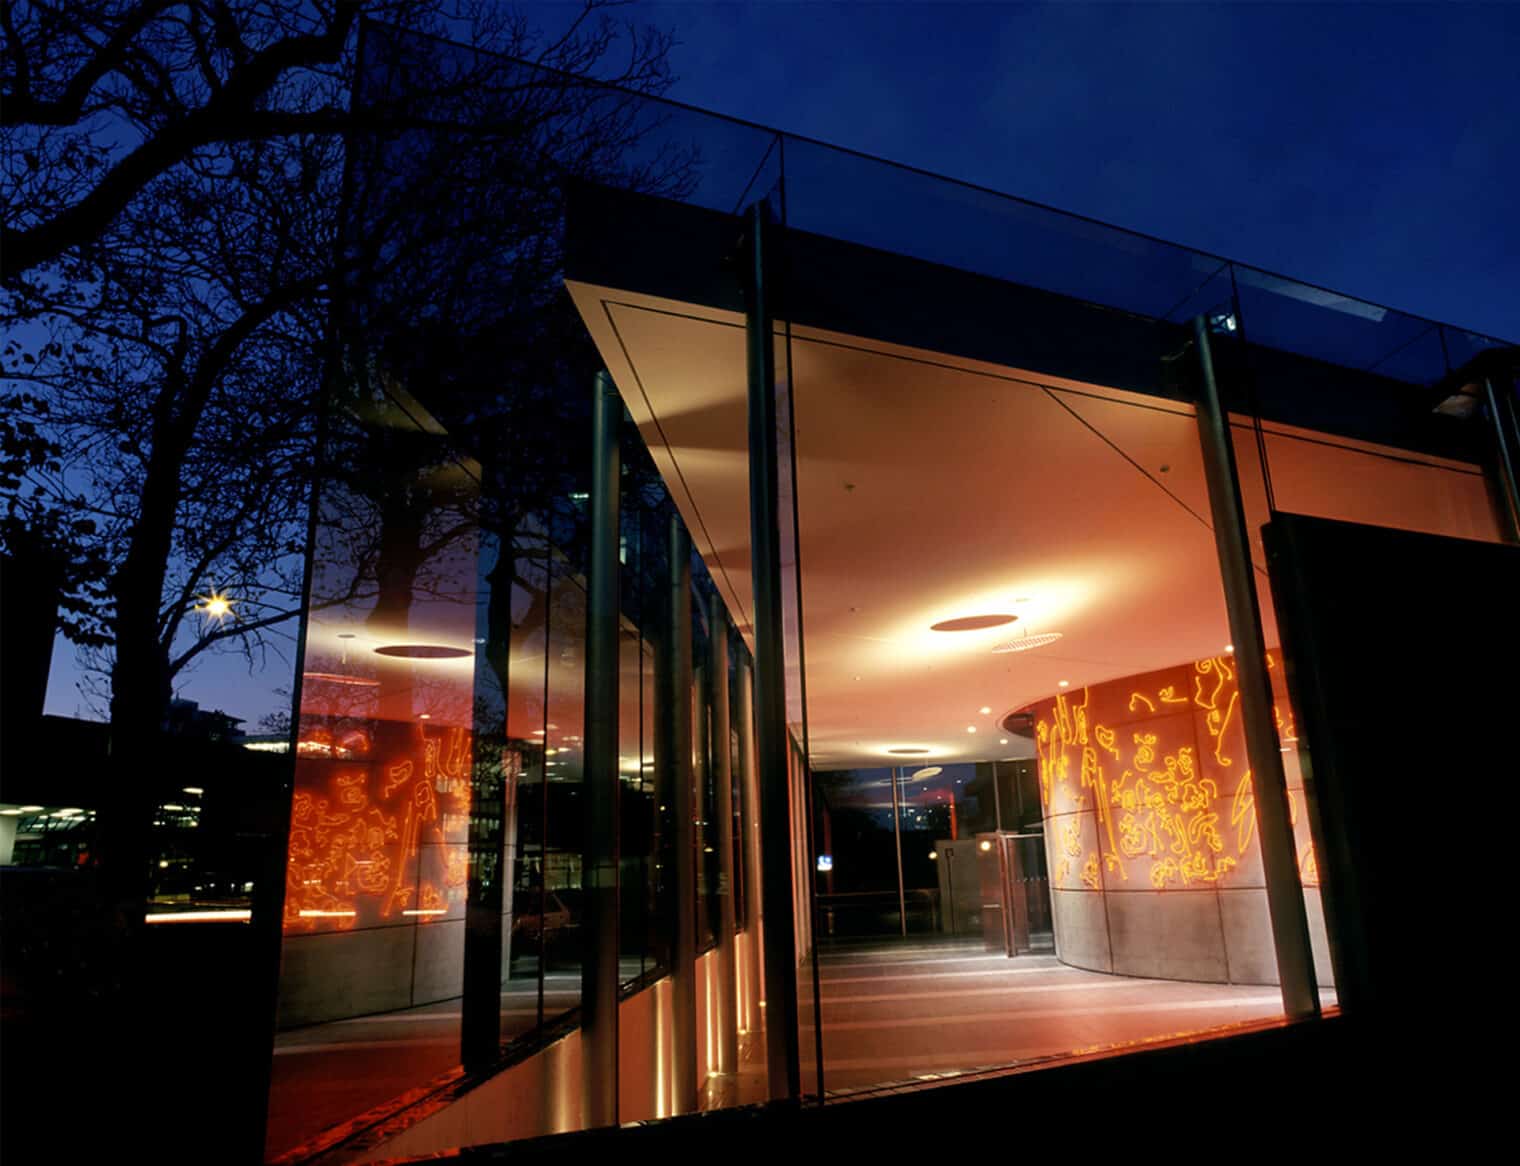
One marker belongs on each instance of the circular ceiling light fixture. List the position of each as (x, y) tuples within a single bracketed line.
[(422, 651), (909, 751), (1027, 643), (972, 623), (926, 773)]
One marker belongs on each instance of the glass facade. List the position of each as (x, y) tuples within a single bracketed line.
[(1015, 754), (934, 741)]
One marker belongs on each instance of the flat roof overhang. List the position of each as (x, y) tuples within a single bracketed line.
[(964, 445)]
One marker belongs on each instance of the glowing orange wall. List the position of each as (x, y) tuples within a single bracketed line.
[(1150, 825), (378, 833)]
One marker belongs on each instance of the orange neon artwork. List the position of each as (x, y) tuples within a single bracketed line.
[(1161, 776), (376, 840)]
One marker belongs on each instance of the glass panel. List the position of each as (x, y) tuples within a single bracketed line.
[(1461, 346), (1011, 585), (899, 210), (1287, 316), (565, 688), (640, 602), (374, 905), (524, 903)]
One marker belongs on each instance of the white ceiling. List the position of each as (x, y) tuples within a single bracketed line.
[(931, 487)]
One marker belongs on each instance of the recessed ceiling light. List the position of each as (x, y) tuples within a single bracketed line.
[(985, 710), (424, 716), (421, 651), (1002, 740), (972, 623), (1026, 643), (1065, 684), (970, 728), (1229, 647)]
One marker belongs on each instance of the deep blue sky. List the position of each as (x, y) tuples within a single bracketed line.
[(1371, 148)]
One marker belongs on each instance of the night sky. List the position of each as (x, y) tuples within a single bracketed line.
[(1370, 148), (1373, 149)]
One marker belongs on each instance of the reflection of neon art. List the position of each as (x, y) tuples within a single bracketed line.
[(1163, 774), (375, 841)]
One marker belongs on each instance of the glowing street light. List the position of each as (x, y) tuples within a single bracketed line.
[(215, 606)]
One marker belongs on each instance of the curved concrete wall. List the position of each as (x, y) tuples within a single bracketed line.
[(1150, 828)]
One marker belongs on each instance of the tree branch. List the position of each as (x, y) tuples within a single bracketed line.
[(86, 218)]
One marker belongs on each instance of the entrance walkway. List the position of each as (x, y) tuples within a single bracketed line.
[(919, 1009)]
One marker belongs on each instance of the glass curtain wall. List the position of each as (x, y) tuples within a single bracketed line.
[(999, 589), (1056, 609), (445, 649)]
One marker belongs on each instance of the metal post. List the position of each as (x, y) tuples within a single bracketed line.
[(749, 819), (772, 741), (684, 957), (1285, 897), (902, 895), (601, 851), (493, 790), (701, 775), (1501, 417), (997, 801), (723, 781)]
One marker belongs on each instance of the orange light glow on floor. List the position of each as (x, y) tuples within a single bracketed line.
[(1163, 777)]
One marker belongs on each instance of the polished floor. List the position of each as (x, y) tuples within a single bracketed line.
[(327, 1074), (894, 1012), (913, 1011)]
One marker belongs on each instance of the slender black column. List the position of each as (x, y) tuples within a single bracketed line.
[(749, 821), (902, 895), (723, 784), (701, 751), (1505, 426), (1285, 896), (493, 775), (601, 850), (772, 740), (684, 807)]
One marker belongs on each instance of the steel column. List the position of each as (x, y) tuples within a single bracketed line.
[(682, 790), (902, 895), (723, 783), (493, 792), (1285, 897), (772, 739), (601, 850), (749, 820)]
